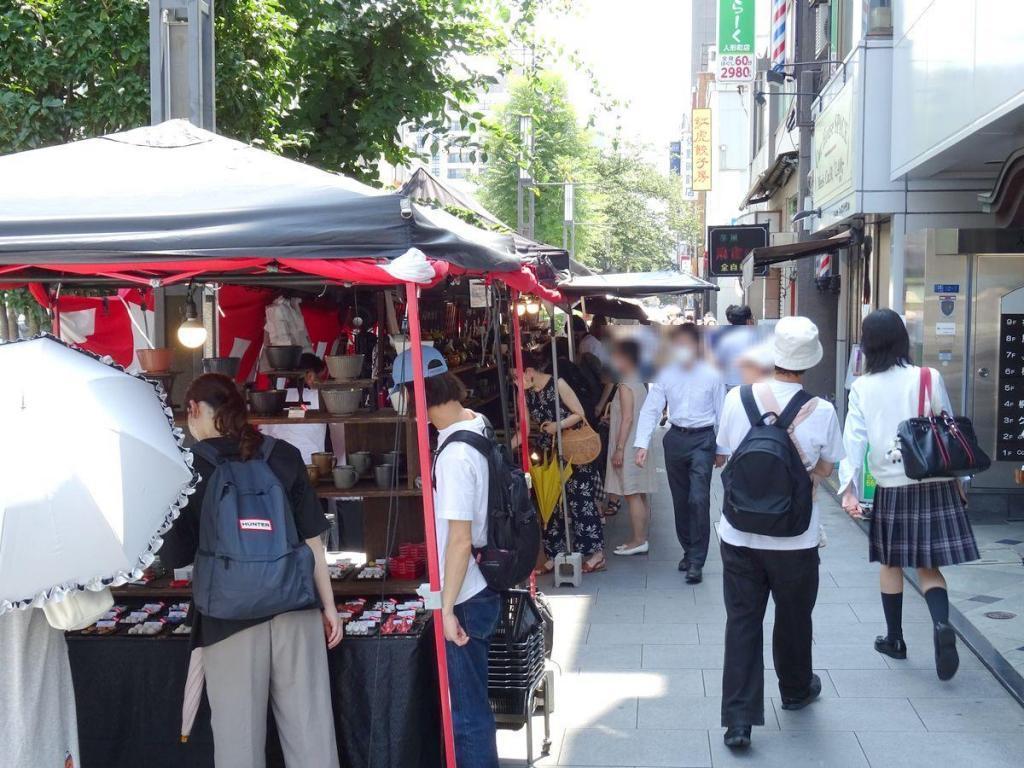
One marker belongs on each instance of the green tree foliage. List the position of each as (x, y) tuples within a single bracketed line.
[(562, 151), (629, 217), (326, 81)]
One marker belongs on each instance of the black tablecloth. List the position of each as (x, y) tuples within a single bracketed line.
[(129, 691)]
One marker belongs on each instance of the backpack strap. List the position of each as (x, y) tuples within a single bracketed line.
[(481, 443), (793, 407), (802, 403), (207, 452), (267, 445), (750, 404)]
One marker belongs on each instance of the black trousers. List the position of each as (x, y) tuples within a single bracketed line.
[(791, 577), (689, 461)]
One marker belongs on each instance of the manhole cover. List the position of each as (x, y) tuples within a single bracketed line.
[(1001, 615)]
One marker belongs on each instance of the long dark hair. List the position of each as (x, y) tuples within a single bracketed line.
[(230, 417), (884, 341)]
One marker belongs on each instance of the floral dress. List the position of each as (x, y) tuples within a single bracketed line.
[(581, 490)]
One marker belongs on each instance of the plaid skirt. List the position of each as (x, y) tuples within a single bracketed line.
[(922, 525)]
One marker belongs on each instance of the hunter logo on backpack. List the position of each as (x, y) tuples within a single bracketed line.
[(251, 563), (768, 489), (513, 533)]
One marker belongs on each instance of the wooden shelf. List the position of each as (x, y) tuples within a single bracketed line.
[(472, 368), (161, 588), (383, 416), (366, 489), (480, 401)]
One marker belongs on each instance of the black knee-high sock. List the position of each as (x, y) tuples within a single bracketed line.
[(938, 604), (892, 607)]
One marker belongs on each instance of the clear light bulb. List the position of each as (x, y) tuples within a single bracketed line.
[(192, 332)]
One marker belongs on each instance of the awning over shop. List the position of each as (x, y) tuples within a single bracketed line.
[(770, 180), (635, 284), (613, 307), (775, 254), (173, 192)]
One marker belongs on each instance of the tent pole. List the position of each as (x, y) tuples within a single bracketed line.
[(433, 563), (558, 436), (517, 346)]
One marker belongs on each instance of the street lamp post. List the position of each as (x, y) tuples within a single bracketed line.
[(524, 182)]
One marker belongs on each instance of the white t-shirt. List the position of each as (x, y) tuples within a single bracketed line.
[(592, 345), (460, 493), (819, 437)]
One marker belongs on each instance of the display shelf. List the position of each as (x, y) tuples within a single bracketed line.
[(161, 588), (472, 368), (382, 416), (481, 401), (366, 489)]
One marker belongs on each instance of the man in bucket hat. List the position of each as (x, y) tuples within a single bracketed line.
[(756, 565)]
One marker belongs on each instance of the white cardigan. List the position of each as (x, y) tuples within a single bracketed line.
[(878, 403)]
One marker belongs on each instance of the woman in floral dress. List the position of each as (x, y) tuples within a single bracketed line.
[(581, 490)]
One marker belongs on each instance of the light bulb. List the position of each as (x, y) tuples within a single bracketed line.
[(532, 307), (192, 332), (520, 309)]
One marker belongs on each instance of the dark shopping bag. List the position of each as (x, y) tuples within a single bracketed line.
[(938, 445)]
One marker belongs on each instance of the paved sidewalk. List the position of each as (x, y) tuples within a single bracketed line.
[(640, 654)]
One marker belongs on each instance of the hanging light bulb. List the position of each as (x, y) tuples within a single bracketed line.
[(520, 309), (192, 332), (532, 306)]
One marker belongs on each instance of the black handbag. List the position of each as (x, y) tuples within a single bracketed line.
[(938, 445)]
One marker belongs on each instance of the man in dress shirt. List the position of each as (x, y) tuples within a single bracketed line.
[(693, 392)]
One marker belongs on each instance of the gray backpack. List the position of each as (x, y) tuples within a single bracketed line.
[(251, 563)]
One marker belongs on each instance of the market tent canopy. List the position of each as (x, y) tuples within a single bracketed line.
[(775, 254), (635, 284), (610, 306), (173, 192)]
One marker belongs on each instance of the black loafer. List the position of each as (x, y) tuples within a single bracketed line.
[(684, 565), (947, 660), (896, 649), (813, 692), (694, 575), (737, 736)]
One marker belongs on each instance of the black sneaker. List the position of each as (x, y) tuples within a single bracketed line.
[(896, 649), (684, 565), (947, 660), (813, 692), (694, 574), (737, 736)]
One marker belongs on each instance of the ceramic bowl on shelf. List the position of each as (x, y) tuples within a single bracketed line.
[(225, 365), (390, 457), (341, 402), (268, 402), (155, 360), (283, 357), (313, 473), (342, 367), (345, 476)]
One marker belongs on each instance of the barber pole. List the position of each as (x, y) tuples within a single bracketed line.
[(779, 10), (823, 267)]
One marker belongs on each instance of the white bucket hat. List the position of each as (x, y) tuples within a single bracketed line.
[(796, 344)]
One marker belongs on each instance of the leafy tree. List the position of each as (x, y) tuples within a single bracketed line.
[(562, 152), (325, 82)]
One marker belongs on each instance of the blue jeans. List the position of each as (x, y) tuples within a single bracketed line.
[(475, 734)]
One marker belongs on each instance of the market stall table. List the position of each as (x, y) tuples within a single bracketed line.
[(129, 692)]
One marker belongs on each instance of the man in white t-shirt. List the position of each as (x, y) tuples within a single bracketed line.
[(469, 608), (755, 566)]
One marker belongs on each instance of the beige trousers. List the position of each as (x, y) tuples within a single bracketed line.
[(283, 661)]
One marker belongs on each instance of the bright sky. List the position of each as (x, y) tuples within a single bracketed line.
[(640, 52)]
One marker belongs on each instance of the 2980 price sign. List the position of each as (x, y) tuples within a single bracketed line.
[(735, 68)]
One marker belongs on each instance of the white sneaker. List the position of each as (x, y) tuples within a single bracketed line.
[(641, 549)]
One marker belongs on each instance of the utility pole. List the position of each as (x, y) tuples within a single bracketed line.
[(804, 73), (181, 62), (525, 213)]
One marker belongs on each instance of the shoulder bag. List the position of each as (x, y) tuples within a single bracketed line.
[(938, 445)]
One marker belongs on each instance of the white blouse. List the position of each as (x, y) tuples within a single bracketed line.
[(878, 403)]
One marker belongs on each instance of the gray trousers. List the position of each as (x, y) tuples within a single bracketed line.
[(283, 660)]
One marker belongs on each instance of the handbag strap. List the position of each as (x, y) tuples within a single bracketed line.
[(924, 392), (806, 408)]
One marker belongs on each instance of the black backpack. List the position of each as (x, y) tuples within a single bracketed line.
[(768, 490), (513, 532)]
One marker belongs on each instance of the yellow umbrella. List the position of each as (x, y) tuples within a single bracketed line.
[(547, 487)]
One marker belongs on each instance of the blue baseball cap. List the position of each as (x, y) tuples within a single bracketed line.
[(433, 365)]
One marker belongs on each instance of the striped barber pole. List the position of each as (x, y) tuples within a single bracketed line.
[(823, 267), (779, 9)]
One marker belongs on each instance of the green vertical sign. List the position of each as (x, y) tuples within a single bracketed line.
[(735, 41)]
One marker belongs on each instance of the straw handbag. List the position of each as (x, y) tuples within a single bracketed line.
[(581, 445)]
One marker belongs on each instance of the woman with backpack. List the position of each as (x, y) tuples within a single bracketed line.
[(263, 602), (915, 523)]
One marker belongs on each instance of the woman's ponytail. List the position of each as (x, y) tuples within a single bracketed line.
[(230, 416)]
